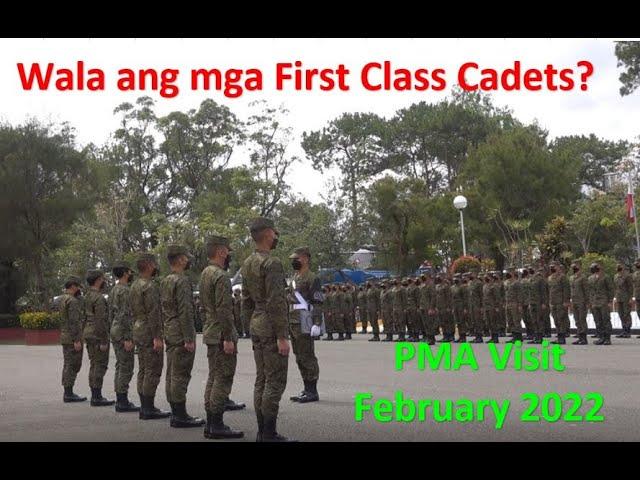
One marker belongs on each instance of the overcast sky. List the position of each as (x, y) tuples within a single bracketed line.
[(598, 110)]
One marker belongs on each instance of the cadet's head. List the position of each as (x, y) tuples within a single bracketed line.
[(417, 280), (531, 271), (95, 278), (509, 273), (300, 258), (72, 285), (264, 233), (423, 277), (620, 267), (122, 271), (146, 265), (594, 267), (575, 266), (456, 279), (179, 257), (219, 251)]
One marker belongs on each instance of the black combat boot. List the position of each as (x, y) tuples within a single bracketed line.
[(400, 337), (626, 333), (478, 339), (582, 340), (431, 339), (310, 392), (124, 405), (445, 338), (296, 398), (97, 400), (560, 339), (218, 429), (270, 434), (461, 338), (495, 338), (388, 338), (230, 405), (70, 397), (603, 340), (181, 419), (329, 337), (517, 337), (340, 337), (260, 421), (375, 338), (348, 336), (502, 333)]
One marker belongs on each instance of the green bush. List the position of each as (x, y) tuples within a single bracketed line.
[(8, 320), (608, 264), (465, 264), (40, 320)]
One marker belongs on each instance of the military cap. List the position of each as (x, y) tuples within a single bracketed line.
[(71, 280), (93, 275), (146, 257), (121, 264), (177, 249), (301, 251), (215, 240), (261, 223)]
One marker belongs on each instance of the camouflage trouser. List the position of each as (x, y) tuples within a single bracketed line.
[(179, 366), (238, 323), (372, 316), (349, 323), (387, 321), (271, 376), (489, 320), (446, 321), (222, 368), (514, 318), (546, 321), (98, 363), (561, 319), (413, 321), (303, 348), (502, 318), (399, 321), (475, 320), (72, 363), (338, 323), (460, 319), (526, 318), (150, 364), (124, 367), (364, 318), (602, 319), (535, 316), (580, 317), (624, 312)]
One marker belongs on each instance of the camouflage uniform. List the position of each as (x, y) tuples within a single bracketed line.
[(362, 309), (386, 311), (559, 296), (444, 311), (412, 310), (399, 302), (237, 317), (372, 296), (121, 331), (70, 331), (524, 296), (623, 291), (489, 307), (459, 308), (537, 294), (475, 308), (600, 296), (579, 301), (347, 312), (329, 305), (545, 313), (264, 302), (95, 332), (513, 302)]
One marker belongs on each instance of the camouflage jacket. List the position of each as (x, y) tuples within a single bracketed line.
[(600, 290), (178, 311), (144, 299), (96, 317), (427, 297), (263, 295), (373, 300), (512, 292), (120, 313), (635, 278), (623, 287), (489, 300), (217, 303), (70, 319), (475, 293), (579, 289), (457, 296), (399, 298), (443, 297), (308, 286), (536, 290), (559, 289), (412, 297)]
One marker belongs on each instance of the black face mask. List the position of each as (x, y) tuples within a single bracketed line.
[(296, 264), (508, 275), (620, 269), (130, 279), (531, 271), (594, 269), (437, 281), (552, 270), (274, 244), (576, 269), (155, 272), (188, 265), (78, 293), (456, 281), (227, 262)]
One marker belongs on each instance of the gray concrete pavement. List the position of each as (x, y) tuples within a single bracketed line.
[(31, 405)]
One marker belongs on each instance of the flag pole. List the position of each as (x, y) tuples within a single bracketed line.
[(635, 218)]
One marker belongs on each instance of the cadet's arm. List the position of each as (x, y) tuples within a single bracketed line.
[(186, 314), (153, 311), (101, 319), (75, 320), (224, 307), (248, 306), (276, 304)]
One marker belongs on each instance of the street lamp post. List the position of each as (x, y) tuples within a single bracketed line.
[(460, 202)]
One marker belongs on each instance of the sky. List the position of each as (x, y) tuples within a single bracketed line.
[(599, 110)]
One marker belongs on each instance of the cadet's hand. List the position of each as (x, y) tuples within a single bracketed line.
[(544, 306), (77, 346), (190, 346), (103, 348), (283, 347), (158, 345), (128, 345), (228, 347)]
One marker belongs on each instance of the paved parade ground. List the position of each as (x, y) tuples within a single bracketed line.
[(31, 405)]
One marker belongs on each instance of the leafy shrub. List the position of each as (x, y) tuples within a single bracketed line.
[(40, 320), (465, 264), (608, 264), (8, 320)]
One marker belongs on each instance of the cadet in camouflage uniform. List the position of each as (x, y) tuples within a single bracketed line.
[(412, 310), (328, 307), (386, 311), (354, 307), (427, 305), (524, 296), (623, 291), (237, 317), (71, 337), (559, 299), (347, 311), (399, 302), (600, 297), (459, 308), (176, 298), (545, 311), (501, 317), (338, 311), (475, 307), (307, 286), (95, 333), (144, 298), (444, 309), (536, 294), (220, 336), (372, 294), (122, 335), (513, 305), (362, 307), (579, 301), (636, 286), (264, 301), (490, 308)]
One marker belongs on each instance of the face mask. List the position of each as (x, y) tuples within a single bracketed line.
[(456, 281), (619, 269), (274, 244), (594, 269), (155, 272), (227, 261), (296, 264), (437, 280), (576, 269), (552, 270), (130, 279), (531, 271), (508, 275), (78, 293)]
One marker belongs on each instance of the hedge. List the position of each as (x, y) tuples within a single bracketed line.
[(40, 320), (8, 320)]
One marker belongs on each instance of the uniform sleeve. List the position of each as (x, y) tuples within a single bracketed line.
[(125, 315), (224, 307), (609, 289), (566, 290), (248, 306), (153, 311), (75, 320), (275, 300), (317, 300), (184, 302), (101, 315)]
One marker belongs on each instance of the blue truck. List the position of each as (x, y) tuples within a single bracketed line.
[(345, 275)]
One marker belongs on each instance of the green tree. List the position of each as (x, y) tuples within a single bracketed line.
[(628, 55)]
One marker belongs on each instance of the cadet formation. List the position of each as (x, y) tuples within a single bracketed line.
[(154, 319)]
